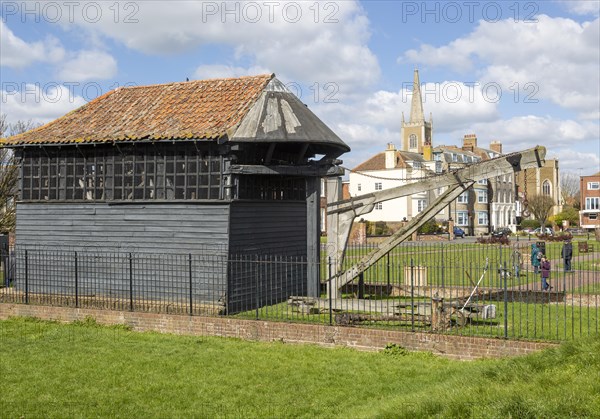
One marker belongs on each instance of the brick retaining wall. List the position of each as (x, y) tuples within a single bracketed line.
[(458, 347)]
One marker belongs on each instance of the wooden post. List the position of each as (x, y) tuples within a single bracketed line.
[(334, 194), (313, 236)]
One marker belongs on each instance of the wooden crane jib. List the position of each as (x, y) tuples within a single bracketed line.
[(341, 214)]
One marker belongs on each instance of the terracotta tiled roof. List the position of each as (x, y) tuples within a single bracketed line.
[(202, 109)]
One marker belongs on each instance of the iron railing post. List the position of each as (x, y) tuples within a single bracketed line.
[(387, 272), (257, 289), (26, 277), (361, 285), (412, 295), (504, 275), (191, 292), (76, 282), (130, 282), (330, 284)]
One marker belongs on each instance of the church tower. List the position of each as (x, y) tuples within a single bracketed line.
[(416, 133)]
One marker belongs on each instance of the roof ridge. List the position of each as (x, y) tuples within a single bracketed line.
[(172, 83)]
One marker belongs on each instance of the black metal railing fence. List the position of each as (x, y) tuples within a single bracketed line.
[(460, 288)]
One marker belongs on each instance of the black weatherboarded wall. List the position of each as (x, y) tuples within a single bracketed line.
[(242, 253), (272, 236), (111, 248)]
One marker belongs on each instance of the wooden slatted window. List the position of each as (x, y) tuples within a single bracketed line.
[(144, 172)]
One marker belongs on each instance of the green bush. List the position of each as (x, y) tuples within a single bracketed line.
[(569, 214), (530, 224), (430, 227), (377, 228)]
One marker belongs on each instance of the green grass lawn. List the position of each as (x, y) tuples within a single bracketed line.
[(84, 370)]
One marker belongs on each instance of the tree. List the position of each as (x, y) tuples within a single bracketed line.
[(569, 186), (540, 206), (9, 173), (568, 213)]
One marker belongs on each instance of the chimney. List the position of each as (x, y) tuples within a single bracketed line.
[(390, 156), (496, 146), (469, 142)]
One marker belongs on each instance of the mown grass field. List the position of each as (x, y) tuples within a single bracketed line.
[(84, 370)]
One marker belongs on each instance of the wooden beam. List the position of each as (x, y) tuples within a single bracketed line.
[(309, 171), (478, 171), (400, 235)]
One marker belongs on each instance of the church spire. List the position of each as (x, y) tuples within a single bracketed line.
[(416, 107)]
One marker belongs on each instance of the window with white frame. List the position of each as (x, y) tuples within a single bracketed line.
[(482, 197), (592, 203), (463, 198), (421, 204), (592, 186), (482, 182), (462, 218), (413, 141), (454, 157), (378, 186), (593, 216), (546, 186), (482, 218), (379, 206)]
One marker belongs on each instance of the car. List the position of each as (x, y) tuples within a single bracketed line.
[(575, 230), (546, 230), (502, 232), (458, 232)]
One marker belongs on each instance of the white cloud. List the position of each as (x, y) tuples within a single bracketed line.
[(305, 42), (39, 103), (583, 7), (576, 162), (454, 105), (558, 57), (212, 71), (89, 65), (16, 53), (522, 132)]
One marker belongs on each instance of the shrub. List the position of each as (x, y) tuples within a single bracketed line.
[(530, 224), (556, 238), (493, 240), (377, 228), (430, 227)]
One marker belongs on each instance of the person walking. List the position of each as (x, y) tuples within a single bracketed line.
[(567, 255), (545, 267), (517, 261), (536, 257)]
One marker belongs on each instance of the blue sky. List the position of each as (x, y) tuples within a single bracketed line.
[(523, 73)]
